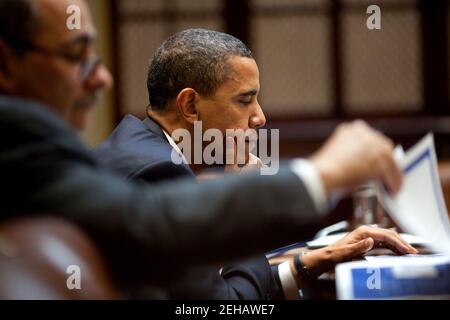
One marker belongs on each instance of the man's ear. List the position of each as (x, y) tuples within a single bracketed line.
[(186, 105), (6, 82)]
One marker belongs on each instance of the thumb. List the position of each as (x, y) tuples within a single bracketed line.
[(362, 246), (365, 245), (254, 161)]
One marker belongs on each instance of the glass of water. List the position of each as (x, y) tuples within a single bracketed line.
[(367, 208), (365, 205)]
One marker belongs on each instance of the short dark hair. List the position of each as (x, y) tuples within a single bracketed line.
[(194, 58), (19, 22)]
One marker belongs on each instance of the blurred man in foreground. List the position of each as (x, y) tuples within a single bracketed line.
[(147, 233)]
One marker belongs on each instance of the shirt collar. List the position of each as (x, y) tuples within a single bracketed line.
[(174, 145)]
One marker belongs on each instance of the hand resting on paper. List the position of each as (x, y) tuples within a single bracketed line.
[(353, 245)]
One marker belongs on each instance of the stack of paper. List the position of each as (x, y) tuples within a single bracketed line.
[(388, 277)]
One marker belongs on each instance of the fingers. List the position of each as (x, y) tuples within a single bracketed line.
[(391, 174), (355, 154), (238, 158), (389, 171), (350, 251), (388, 239), (231, 155), (367, 239), (254, 160), (364, 239), (360, 248)]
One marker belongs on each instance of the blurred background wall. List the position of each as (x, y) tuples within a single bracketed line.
[(319, 63), (103, 118)]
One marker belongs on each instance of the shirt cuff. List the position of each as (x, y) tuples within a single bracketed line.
[(288, 283), (311, 178)]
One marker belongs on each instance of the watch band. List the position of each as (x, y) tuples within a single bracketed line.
[(302, 270)]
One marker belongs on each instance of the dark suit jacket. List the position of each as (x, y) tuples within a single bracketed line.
[(140, 150), (148, 233)]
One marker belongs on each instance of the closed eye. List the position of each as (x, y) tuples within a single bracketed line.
[(245, 103), (246, 98)]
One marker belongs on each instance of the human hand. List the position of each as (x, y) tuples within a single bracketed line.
[(353, 245), (252, 162), (355, 154)]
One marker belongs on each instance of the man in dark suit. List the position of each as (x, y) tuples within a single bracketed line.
[(139, 150), (180, 78), (147, 233)]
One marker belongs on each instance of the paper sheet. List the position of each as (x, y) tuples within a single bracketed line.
[(419, 208)]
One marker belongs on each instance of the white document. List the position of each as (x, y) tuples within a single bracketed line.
[(436, 257), (394, 277), (419, 208)]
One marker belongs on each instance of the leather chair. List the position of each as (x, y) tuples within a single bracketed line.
[(35, 259)]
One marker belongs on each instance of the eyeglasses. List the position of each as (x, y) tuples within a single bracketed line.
[(87, 66)]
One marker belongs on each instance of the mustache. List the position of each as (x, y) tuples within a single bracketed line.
[(90, 99)]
